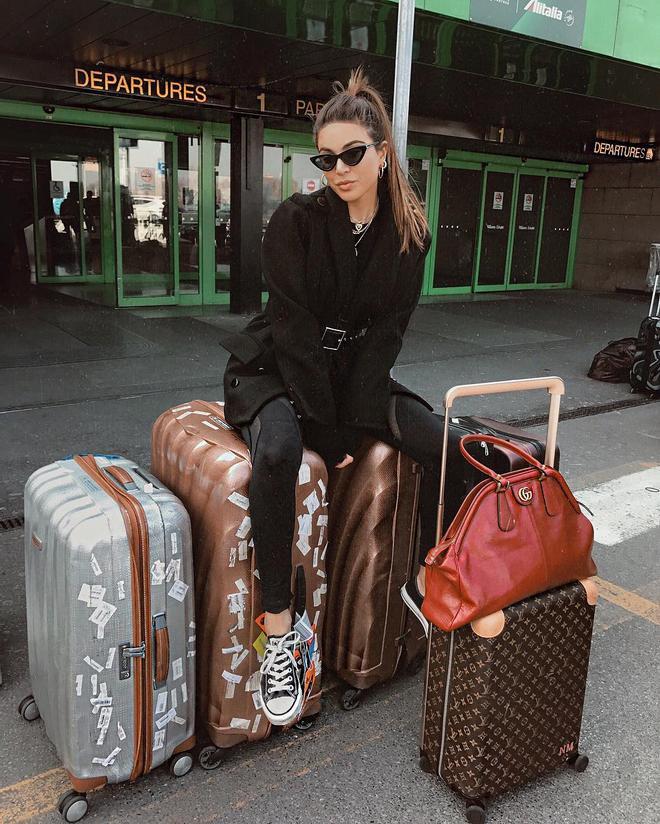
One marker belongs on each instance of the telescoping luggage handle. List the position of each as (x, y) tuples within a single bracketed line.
[(553, 385), (654, 311)]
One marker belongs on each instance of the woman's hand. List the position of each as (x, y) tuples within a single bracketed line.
[(348, 459)]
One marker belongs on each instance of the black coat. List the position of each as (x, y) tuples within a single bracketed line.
[(310, 267)]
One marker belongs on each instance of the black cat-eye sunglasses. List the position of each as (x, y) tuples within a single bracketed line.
[(351, 157)]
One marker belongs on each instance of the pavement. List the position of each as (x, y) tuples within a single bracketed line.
[(77, 377)]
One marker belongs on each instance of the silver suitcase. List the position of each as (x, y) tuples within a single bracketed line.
[(111, 625)]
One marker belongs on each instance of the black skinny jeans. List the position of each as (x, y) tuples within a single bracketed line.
[(275, 441)]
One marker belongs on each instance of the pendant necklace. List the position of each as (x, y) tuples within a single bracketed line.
[(361, 228)]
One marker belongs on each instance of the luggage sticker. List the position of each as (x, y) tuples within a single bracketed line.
[(304, 474), (178, 591), (184, 692), (96, 568), (159, 739), (110, 760), (177, 669), (121, 592), (239, 500), (79, 684)]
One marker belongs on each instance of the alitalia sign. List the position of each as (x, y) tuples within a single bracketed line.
[(547, 11), (561, 21)]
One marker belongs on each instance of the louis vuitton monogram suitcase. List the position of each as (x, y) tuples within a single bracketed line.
[(504, 695)]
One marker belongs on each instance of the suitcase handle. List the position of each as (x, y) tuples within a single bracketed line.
[(121, 476), (491, 439), (161, 650), (553, 385)]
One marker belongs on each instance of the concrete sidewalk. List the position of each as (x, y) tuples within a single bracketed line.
[(75, 376)]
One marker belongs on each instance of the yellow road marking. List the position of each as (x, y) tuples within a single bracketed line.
[(629, 601), (34, 796)]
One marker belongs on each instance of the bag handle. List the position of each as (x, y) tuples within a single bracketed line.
[(495, 441), (553, 385)]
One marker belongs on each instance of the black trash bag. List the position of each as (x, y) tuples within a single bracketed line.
[(613, 363)]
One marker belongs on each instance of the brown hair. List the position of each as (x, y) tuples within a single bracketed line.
[(360, 102)]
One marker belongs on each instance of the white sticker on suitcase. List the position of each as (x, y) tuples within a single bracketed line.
[(184, 692), (312, 502), (157, 573), (232, 557), (173, 571), (255, 725), (252, 682), (110, 760), (303, 545), (305, 524), (174, 541), (173, 698), (232, 677), (96, 567), (79, 684), (101, 615), (239, 500), (159, 739), (322, 487), (178, 591), (111, 657), (238, 658), (244, 528), (322, 520), (95, 683), (161, 723), (304, 474), (256, 699), (242, 550), (240, 723), (120, 732), (93, 664), (121, 592), (161, 703), (177, 669)]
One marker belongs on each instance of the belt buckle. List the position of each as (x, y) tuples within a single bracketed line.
[(340, 334)]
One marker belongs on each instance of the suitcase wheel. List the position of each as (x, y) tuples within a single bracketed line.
[(28, 709), (475, 812), (305, 724), (72, 805), (211, 757), (350, 699), (425, 764), (181, 764), (579, 762)]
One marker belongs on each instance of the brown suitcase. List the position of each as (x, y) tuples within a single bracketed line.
[(369, 632), (206, 463)]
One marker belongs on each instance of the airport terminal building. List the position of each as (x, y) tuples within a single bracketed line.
[(144, 144)]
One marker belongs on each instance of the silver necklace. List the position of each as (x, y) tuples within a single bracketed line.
[(361, 228)]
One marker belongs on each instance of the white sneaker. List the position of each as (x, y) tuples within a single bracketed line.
[(283, 677)]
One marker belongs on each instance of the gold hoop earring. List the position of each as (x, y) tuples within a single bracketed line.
[(324, 182), (382, 168)]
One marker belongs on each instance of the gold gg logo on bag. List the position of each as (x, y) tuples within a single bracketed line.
[(524, 494)]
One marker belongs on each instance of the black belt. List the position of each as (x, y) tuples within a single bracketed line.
[(333, 338)]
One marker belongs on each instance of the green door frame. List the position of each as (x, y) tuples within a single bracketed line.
[(84, 276), (165, 300)]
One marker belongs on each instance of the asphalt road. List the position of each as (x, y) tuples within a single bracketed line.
[(362, 766)]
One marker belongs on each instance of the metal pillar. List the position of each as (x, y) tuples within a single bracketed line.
[(247, 138), (402, 72)]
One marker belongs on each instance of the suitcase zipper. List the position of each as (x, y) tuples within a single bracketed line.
[(138, 532)]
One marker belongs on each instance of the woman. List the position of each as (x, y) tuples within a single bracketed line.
[(344, 269)]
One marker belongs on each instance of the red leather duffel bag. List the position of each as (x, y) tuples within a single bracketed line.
[(515, 535)]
